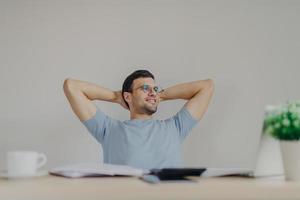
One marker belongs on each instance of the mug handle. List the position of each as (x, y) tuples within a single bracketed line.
[(42, 159)]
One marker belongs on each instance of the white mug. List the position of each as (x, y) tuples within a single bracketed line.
[(24, 163)]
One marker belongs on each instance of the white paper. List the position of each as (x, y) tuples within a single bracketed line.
[(96, 169)]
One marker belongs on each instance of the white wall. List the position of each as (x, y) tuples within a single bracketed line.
[(249, 48)]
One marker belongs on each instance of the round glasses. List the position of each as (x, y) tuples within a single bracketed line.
[(147, 88)]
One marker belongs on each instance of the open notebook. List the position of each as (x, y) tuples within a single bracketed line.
[(96, 169)]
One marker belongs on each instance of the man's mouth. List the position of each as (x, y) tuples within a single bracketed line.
[(152, 101)]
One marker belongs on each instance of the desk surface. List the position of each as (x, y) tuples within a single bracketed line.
[(51, 187)]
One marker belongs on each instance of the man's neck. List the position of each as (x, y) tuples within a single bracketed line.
[(139, 116)]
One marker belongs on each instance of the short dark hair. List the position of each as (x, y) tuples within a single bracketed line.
[(127, 85)]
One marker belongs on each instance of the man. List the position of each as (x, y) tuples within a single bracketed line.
[(140, 142)]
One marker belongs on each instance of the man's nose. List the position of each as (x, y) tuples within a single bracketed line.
[(152, 92)]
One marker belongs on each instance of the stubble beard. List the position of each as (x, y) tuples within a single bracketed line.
[(149, 110)]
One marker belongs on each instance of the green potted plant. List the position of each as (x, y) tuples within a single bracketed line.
[(283, 123)]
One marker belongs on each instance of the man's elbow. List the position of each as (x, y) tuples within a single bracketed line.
[(209, 84), (68, 85)]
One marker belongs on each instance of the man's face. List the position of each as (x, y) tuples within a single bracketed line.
[(144, 98)]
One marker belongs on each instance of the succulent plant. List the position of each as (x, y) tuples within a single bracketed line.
[(283, 121)]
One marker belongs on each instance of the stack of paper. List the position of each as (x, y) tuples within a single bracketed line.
[(96, 169)]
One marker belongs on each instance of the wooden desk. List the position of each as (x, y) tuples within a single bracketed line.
[(51, 187)]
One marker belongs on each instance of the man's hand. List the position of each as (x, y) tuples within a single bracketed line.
[(119, 99), (198, 94), (161, 96)]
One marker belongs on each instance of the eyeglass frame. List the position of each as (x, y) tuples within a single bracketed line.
[(160, 89)]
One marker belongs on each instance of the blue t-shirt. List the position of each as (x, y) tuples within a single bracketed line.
[(140, 143)]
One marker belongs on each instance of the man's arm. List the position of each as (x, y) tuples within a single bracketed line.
[(81, 94), (198, 94)]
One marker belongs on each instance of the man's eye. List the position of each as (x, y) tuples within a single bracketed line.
[(156, 89), (145, 87)]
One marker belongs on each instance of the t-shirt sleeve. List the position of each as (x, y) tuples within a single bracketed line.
[(184, 122), (98, 125)]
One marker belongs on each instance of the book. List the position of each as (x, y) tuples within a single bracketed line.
[(96, 170)]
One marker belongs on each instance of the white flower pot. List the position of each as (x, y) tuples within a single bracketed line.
[(291, 159)]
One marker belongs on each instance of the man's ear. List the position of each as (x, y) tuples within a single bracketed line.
[(127, 97)]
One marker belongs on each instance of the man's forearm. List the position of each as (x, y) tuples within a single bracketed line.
[(81, 93), (91, 90), (185, 90)]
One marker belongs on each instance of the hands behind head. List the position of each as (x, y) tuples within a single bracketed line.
[(120, 100)]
